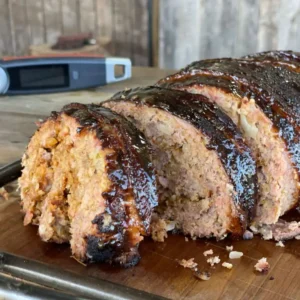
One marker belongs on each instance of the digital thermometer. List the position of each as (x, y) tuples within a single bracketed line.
[(37, 75)]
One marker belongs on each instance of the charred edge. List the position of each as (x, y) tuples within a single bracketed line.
[(206, 117), (141, 173), (97, 251), (114, 241), (136, 164), (111, 252)]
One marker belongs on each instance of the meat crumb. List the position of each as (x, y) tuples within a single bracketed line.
[(170, 225), (194, 238), (297, 237), (227, 265), (293, 226), (262, 265), (208, 252), (254, 229), (158, 229), (266, 232), (4, 194), (229, 248), (280, 244), (284, 230), (188, 263), (248, 235), (205, 275), (213, 260), (235, 254), (271, 278), (186, 239)]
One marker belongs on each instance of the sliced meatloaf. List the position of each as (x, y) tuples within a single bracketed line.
[(88, 180), (267, 116), (206, 174)]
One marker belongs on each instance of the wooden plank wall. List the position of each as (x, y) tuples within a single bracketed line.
[(122, 24), (198, 29)]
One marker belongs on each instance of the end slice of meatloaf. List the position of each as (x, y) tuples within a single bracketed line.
[(268, 120), (206, 174), (88, 180)]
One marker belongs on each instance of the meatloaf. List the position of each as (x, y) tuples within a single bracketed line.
[(206, 174), (250, 93), (88, 180)]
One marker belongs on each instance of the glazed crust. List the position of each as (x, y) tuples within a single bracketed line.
[(286, 56), (224, 138), (131, 175), (252, 80)]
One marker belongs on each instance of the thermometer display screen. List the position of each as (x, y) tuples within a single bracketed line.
[(39, 77)]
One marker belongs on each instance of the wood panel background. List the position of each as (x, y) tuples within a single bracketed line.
[(122, 25), (198, 29), (164, 33)]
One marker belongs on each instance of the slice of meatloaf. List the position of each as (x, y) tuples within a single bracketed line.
[(88, 180), (268, 119), (206, 174)]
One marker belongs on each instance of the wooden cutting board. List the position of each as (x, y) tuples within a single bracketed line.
[(158, 272)]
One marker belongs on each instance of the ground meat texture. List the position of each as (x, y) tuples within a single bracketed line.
[(207, 176), (248, 93), (88, 180)]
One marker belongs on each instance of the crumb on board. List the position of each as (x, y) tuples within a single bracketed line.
[(189, 263), (266, 232), (202, 275), (235, 254), (186, 239), (194, 238), (248, 235), (262, 265), (227, 265), (297, 237), (229, 248), (208, 252), (271, 278), (280, 244), (3, 193), (213, 260)]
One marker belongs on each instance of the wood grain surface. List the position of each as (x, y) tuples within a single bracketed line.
[(193, 30), (158, 272), (122, 26)]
